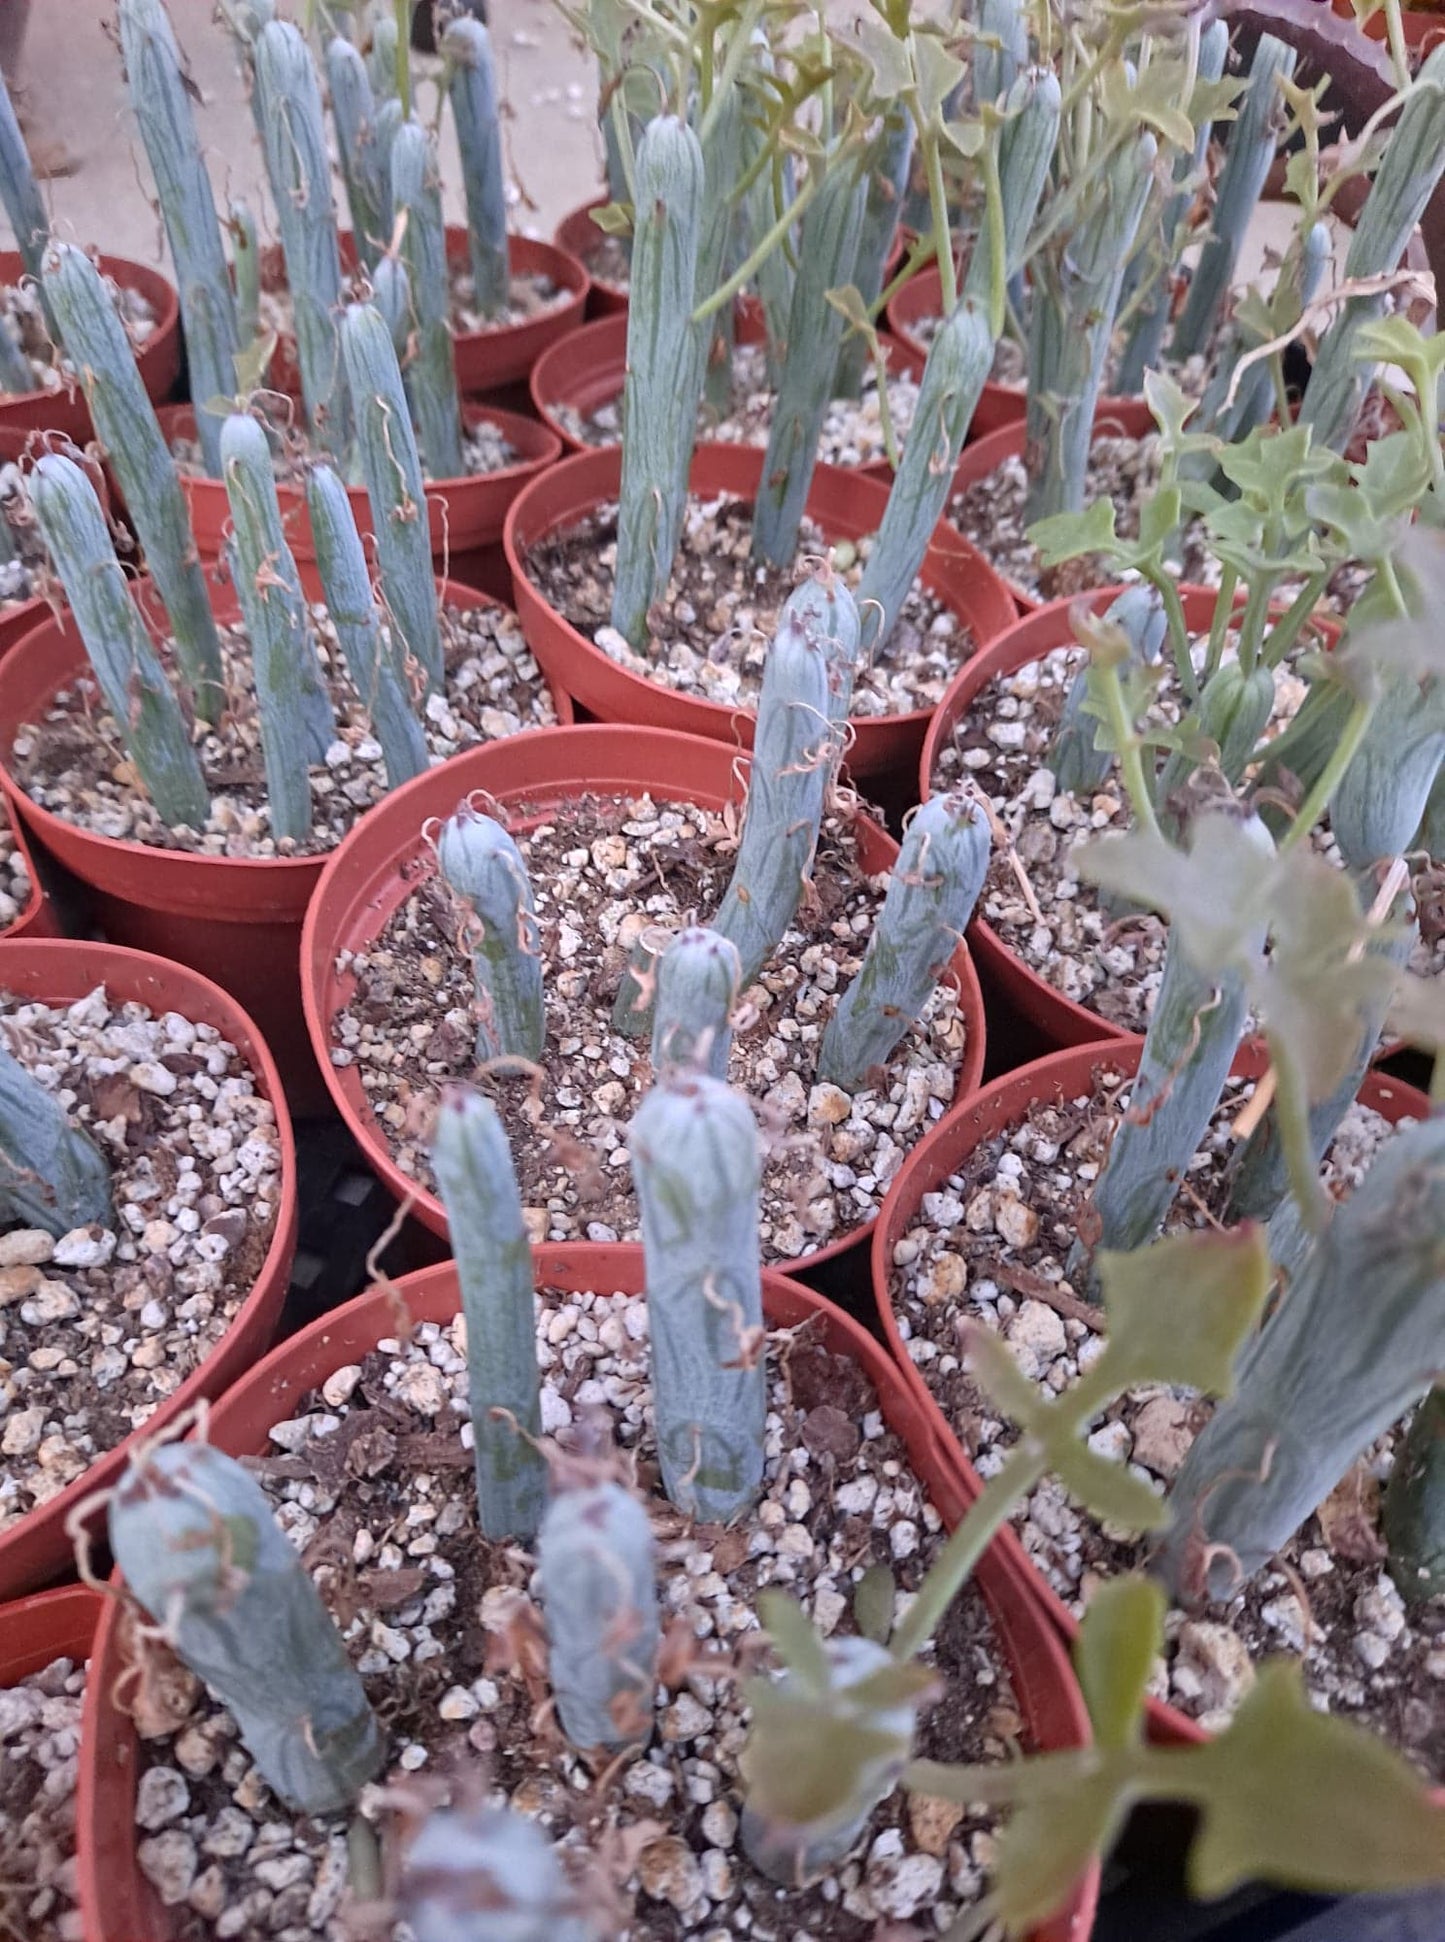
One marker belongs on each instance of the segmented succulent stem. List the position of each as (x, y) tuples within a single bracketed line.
[(375, 671), (695, 1160), (126, 665), (787, 787), (1382, 796), (699, 982), (1000, 50), (932, 890), (52, 1174), (711, 376), (1026, 144), (1078, 763), (126, 424), (483, 869), (162, 104), (293, 141), (20, 192), (246, 275), (597, 1573), (391, 295), (828, 244), (381, 61), (492, 1866), (959, 361), (1249, 152), (16, 376), (199, 1549), (431, 373), (298, 724), (660, 331), (391, 467), (365, 158), (889, 167), (1254, 397), (468, 46), (1415, 1505)]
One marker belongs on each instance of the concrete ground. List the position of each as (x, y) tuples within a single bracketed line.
[(72, 75)]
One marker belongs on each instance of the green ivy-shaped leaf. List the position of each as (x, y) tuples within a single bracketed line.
[(1115, 1653), (1180, 1311)]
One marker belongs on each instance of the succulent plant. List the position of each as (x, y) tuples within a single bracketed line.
[(1078, 761), (695, 1160), (195, 1541), (365, 150), (597, 1575), (889, 164), (20, 192), (483, 871), (119, 648), (245, 270), (489, 1875), (1414, 1508), (699, 982), (161, 101), (468, 48), (95, 340), (52, 1174), (932, 890), (478, 1188), (431, 375)]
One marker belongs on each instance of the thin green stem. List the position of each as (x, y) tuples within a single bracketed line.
[(997, 242), (938, 205), (737, 52), (1291, 623), (748, 268), (402, 11), (622, 132), (1168, 591), (1023, 1468), (917, 256), (1399, 52), (1318, 799), (1128, 749), (1252, 624), (1219, 626), (1292, 1115)]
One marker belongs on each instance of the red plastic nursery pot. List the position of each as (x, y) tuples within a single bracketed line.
[(35, 1548), (581, 238), (464, 515), (585, 370), (845, 505), (236, 919), (22, 442), (159, 361), (48, 1625), (117, 1901), (375, 869), (1003, 1103), (38, 919)]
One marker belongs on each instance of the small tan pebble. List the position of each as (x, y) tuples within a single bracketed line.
[(1221, 1659), (828, 1105), (340, 1385), (1015, 1223), (1163, 1431), (931, 1822), (26, 1247), (669, 1872)]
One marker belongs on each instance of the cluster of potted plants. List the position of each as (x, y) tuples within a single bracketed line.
[(815, 1488)]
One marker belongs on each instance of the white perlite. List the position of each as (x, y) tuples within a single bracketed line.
[(99, 1327), (39, 1765)]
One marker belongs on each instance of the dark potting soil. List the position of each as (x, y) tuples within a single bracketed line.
[(375, 1487), (991, 1246), (711, 629), (612, 869)]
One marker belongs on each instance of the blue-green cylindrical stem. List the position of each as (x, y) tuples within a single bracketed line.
[(1026, 144), (16, 374), (787, 788), (52, 1174), (431, 374), (827, 246), (293, 141), (699, 982), (495, 1860), (125, 420), (1414, 1507), (391, 294), (391, 466), (198, 1547), (1000, 50), (382, 685), (19, 190), (597, 1574), (667, 227), (722, 153), (484, 871), (1382, 797), (694, 1149), (889, 165), (162, 103), (365, 163), (298, 724), (246, 275), (1078, 763), (381, 61), (827, 612), (1254, 397), (120, 650), (1249, 152), (932, 890), (959, 360), (468, 46), (478, 1187), (1413, 163)]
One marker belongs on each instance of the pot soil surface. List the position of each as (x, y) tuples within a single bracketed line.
[(21, 311), (373, 1482), (99, 1327), (711, 630), (614, 867), (15, 884), (485, 449), (73, 762), (990, 1246), (39, 1765)]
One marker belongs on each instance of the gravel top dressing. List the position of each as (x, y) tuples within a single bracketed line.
[(990, 1246), (613, 868), (39, 1765), (1032, 896), (99, 1327), (712, 628), (15, 884), (24, 569), (373, 1481), (73, 762), (852, 431), (532, 294), (21, 310), (485, 449)]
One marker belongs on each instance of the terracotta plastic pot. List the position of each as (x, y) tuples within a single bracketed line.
[(38, 919), (585, 371), (1119, 417), (581, 238), (844, 504), (159, 362), (1060, 1077), (17, 444), (1422, 31), (48, 1625), (375, 869), (236, 919), (464, 515), (1058, 1021), (36, 1548), (118, 1903)]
